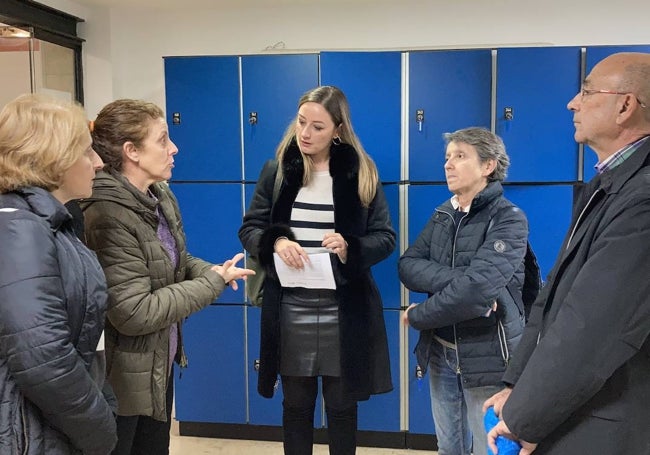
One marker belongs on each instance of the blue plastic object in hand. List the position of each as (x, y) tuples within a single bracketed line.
[(505, 446)]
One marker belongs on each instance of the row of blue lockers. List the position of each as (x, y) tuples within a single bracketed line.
[(227, 114)]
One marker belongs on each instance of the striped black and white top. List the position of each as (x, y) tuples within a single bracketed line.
[(312, 215)]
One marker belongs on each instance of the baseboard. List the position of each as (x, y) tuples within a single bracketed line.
[(383, 439)]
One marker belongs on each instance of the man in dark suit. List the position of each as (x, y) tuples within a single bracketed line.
[(579, 382)]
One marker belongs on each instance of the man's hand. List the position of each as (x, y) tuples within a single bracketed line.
[(501, 429), (497, 401)]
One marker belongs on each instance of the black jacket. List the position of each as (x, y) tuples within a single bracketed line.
[(365, 363), (52, 309), (464, 270), (581, 374)]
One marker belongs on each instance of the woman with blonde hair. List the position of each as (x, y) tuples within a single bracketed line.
[(330, 201), (52, 289)]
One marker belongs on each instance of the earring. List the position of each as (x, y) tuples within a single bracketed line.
[(336, 140)]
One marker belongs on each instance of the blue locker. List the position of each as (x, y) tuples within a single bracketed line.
[(372, 83), (422, 201), (261, 411), (203, 116), (536, 84), (212, 388), (594, 54), (212, 214), (385, 273), (453, 90), (420, 416), (381, 412), (548, 209), (272, 86)]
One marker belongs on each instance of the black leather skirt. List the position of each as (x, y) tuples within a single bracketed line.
[(309, 333)]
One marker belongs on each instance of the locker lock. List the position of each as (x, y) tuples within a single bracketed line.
[(176, 118), (419, 118), (419, 374), (256, 365), (508, 113), (252, 118)]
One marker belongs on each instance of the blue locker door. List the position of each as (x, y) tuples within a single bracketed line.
[(420, 416), (385, 273), (548, 209), (272, 86), (453, 91), (536, 84), (372, 83), (594, 54), (423, 199), (381, 412), (262, 411), (203, 116), (212, 388), (211, 235)]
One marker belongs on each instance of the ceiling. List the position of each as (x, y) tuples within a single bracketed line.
[(184, 4)]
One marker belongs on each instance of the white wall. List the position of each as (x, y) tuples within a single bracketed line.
[(124, 45)]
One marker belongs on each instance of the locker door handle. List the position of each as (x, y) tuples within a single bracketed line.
[(252, 118), (419, 118), (256, 365)]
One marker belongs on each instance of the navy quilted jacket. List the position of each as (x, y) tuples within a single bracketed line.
[(52, 309), (463, 269)]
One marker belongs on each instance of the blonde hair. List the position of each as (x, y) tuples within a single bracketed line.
[(335, 103), (40, 139)]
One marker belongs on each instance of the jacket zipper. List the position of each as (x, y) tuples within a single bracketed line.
[(575, 226), (453, 265), (505, 353)]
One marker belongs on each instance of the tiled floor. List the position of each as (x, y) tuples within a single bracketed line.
[(185, 445)]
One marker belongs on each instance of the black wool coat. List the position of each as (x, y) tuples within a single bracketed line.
[(365, 367), (581, 373)]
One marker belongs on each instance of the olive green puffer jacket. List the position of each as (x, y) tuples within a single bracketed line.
[(146, 294)]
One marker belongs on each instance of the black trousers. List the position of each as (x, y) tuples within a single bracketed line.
[(143, 435), (299, 403)]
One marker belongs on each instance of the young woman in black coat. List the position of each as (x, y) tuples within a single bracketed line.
[(330, 201)]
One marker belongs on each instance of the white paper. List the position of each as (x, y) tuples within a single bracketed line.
[(100, 345), (316, 274)]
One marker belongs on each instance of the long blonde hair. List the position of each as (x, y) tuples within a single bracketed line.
[(335, 103)]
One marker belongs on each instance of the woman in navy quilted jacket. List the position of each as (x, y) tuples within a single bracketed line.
[(468, 259), (52, 289)]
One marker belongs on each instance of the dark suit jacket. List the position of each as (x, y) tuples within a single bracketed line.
[(581, 373)]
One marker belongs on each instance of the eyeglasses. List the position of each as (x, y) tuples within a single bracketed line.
[(588, 91)]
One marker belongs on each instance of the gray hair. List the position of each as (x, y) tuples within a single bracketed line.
[(488, 145)]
